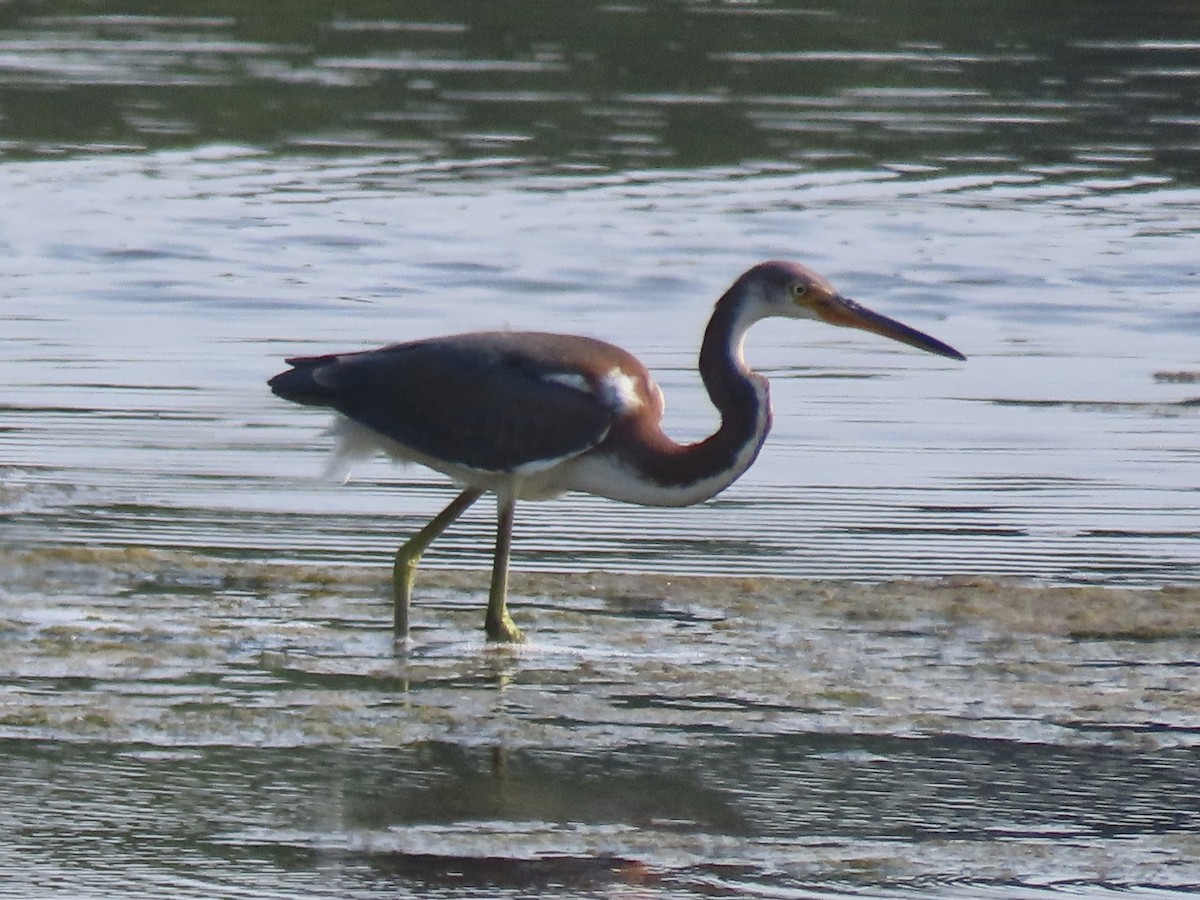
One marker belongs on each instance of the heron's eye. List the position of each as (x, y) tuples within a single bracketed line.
[(799, 289)]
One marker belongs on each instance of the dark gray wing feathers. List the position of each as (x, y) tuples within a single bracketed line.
[(479, 403)]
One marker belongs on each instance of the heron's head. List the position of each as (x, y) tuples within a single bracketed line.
[(795, 291)]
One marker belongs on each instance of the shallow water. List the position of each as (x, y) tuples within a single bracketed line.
[(209, 704), (148, 291), (138, 413)]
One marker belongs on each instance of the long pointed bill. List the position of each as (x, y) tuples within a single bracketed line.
[(844, 311)]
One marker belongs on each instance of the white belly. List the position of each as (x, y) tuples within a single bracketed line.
[(591, 472)]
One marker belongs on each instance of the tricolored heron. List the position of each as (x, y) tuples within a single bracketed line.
[(529, 415)]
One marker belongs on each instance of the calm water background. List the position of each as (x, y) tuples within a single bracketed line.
[(191, 191)]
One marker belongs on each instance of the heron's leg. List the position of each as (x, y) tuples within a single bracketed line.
[(499, 624), (410, 552)]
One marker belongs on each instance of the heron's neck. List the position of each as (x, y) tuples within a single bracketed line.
[(740, 395), (673, 474)]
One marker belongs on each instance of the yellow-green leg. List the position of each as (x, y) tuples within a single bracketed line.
[(409, 554), (499, 624)]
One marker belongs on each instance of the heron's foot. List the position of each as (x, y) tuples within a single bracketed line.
[(403, 573), (409, 554), (501, 628)]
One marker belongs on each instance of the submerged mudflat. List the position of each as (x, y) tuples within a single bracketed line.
[(657, 735), (170, 647)]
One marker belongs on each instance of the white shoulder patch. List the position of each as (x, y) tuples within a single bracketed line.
[(619, 391), (616, 390)]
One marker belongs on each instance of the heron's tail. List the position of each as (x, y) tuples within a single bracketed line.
[(301, 383)]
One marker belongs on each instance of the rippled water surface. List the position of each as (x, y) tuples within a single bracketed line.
[(189, 196)]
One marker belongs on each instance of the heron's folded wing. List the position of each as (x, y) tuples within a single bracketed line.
[(479, 406)]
